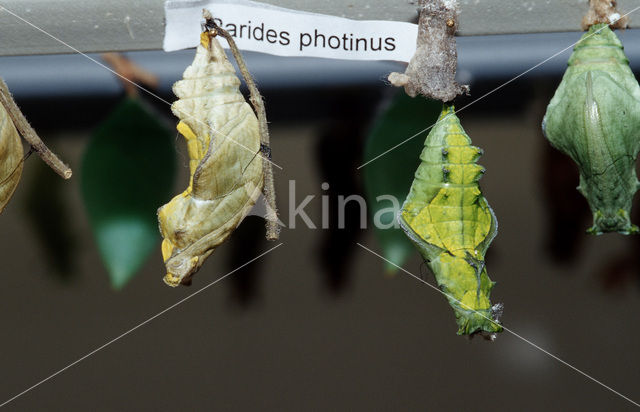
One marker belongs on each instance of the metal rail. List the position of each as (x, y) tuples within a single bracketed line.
[(120, 25), (480, 58)]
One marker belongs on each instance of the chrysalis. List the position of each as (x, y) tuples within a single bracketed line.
[(451, 223), (223, 141), (10, 158), (594, 117)]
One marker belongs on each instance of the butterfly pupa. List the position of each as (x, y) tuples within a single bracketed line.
[(448, 219), (594, 117), (226, 172), (11, 155)]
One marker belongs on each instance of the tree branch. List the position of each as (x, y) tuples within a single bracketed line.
[(28, 134)]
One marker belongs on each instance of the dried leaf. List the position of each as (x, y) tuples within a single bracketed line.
[(11, 154), (223, 140)]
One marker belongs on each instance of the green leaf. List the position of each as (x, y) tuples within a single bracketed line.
[(392, 173), (128, 171)]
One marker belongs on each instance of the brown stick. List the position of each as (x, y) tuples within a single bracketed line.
[(28, 134), (273, 229), (602, 11), (130, 73)]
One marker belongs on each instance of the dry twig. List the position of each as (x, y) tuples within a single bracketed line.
[(432, 69), (28, 134), (130, 73), (604, 11)]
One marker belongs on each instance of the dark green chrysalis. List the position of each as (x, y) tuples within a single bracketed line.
[(594, 117)]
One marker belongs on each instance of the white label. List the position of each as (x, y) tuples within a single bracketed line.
[(275, 30)]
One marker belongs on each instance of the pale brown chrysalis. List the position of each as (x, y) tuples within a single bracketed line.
[(223, 140), (10, 158)]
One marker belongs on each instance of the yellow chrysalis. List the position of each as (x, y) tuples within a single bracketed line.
[(223, 142)]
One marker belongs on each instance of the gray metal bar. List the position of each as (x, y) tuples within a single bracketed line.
[(120, 25), (480, 58)]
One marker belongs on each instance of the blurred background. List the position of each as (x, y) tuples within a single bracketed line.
[(319, 323)]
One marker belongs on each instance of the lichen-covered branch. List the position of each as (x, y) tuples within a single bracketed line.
[(604, 12), (432, 69), (28, 134)]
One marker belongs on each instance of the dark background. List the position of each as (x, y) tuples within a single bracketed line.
[(317, 324)]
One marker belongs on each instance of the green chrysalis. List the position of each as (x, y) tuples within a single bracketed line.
[(594, 117), (451, 223)]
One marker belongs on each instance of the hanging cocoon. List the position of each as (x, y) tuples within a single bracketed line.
[(594, 117), (223, 141), (450, 222)]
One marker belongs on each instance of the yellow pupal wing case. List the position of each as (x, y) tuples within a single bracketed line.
[(223, 141), (11, 153)]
